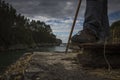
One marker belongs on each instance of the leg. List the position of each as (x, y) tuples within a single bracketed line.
[(96, 25), (96, 18), (105, 33)]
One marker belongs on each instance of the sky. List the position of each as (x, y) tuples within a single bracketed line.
[(59, 14)]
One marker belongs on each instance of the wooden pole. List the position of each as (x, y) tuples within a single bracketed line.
[(73, 25)]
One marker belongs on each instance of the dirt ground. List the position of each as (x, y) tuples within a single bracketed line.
[(57, 66)]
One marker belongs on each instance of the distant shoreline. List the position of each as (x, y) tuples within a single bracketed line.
[(27, 47)]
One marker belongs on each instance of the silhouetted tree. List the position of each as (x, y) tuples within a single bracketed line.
[(17, 29)]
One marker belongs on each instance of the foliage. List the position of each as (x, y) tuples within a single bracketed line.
[(17, 29), (115, 29), (116, 25)]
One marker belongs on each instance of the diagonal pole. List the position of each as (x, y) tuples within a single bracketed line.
[(73, 25)]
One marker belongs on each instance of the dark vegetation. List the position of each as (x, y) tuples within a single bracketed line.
[(115, 30), (116, 25), (16, 29)]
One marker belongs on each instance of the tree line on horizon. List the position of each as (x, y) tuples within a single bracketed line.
[(17, 29)]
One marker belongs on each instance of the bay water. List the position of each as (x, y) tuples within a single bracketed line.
[(9, 57)]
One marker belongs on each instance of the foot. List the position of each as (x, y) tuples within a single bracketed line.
[(85, 36)]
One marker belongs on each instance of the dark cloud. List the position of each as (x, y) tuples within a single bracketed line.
[(54, 8), (114, 5)]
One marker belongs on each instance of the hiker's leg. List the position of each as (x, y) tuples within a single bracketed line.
[(96, 17), (96, 25), (105, 33)]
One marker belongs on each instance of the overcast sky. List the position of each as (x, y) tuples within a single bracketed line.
[(59, 13)]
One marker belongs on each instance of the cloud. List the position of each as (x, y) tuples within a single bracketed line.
[(114, 16), (60, 13), (52, 8), (113, 6), (61, 26)]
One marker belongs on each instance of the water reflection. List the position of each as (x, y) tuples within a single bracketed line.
[(52, 49)]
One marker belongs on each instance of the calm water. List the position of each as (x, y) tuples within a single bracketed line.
[(52, 49), (9, 57)]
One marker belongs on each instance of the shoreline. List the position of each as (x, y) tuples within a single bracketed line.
[(47, 65), (26, 47)]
